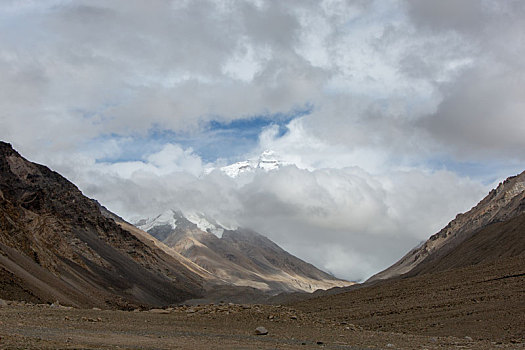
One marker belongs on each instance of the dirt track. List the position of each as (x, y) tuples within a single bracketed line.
[(205, 327)]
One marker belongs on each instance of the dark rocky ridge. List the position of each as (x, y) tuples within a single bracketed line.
[(56, 244)]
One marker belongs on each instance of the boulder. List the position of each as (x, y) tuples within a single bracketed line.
[(261, 331)]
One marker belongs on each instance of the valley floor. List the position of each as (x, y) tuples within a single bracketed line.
[(476, 307), (202, 327)]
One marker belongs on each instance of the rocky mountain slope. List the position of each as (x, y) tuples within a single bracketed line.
[(239, 257), (467, 280), (56, 244), (492, 229)]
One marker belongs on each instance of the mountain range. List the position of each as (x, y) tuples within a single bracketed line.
[(57, 244)]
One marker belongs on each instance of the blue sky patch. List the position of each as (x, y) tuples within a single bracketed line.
[(215, 140)]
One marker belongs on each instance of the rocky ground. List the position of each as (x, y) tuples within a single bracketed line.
[(485, 302), (477, 307), (226, 326)]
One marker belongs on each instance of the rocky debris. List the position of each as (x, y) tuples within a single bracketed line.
[(273, 313), (261, 331), (159, 311), (57, 305), (350, 326), (236, 330), (3, 302)]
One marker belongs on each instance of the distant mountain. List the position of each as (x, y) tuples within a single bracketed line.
[(56, 244), (267, 161), (493, 229), (236, 256)]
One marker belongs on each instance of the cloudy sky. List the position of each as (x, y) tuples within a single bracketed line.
[(396, 114)]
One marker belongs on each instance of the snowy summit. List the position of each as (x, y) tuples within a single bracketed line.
[(267, 161)]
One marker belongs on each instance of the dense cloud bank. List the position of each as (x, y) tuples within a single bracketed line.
[(346, 221)]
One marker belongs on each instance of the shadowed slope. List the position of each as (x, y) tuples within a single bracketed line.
[(56, 244)]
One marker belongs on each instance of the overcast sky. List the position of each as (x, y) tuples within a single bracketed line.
[(396, 114)]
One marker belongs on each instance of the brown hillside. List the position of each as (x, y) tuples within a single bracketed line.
[(56, 244), (472, 286)]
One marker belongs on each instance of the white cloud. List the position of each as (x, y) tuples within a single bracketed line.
[(172, 158), (378, 72)]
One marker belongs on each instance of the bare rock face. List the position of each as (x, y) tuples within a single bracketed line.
[(56, 244), (504, 204)]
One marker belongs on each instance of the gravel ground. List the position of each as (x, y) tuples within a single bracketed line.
[(28, 326)]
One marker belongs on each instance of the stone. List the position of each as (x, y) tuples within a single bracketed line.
[(352, 327), (261, 331), (159, 311), (3, 302), (468, 338)]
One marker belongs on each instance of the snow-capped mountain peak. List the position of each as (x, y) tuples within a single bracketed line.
[(206, 224), (267, 161), (173, 218), (169, 217)]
